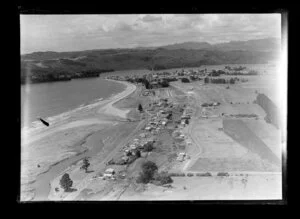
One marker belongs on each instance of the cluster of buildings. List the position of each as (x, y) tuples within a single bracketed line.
[(158, 77), (159, 119), (178, 133), (136, 145)]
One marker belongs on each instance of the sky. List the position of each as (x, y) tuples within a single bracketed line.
[(86, 32)]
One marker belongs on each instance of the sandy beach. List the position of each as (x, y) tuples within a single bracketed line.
[(104, 108), (65, 138)]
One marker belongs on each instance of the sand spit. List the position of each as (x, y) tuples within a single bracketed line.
[(112, 110)]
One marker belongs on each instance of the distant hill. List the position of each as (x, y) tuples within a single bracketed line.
[(189, 54), (267, 44), (189, 45)]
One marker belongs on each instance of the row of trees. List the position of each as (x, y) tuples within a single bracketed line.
[(219, 80), (216, 73), (252, 72), (240, 68)]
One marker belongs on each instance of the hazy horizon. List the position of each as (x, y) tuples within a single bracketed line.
[(71, 33)]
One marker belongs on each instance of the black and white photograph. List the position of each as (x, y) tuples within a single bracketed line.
[(153, 107)]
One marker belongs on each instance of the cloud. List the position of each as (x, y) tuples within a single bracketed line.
[(79, 32)]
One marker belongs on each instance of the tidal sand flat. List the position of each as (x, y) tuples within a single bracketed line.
[(45, 148)]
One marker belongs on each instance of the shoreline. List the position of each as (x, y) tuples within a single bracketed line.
[(100, 111), (102, 107)]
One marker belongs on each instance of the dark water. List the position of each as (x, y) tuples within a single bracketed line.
[(53, 98)]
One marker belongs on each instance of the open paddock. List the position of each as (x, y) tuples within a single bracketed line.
[(267, 133), (241, 133)]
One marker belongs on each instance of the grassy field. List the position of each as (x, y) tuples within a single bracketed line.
[(216, 150), (239, 131)]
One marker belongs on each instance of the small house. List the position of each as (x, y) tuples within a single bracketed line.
[(148, 128), (125, 158), (181, 156), (185, 117), (109, 172)]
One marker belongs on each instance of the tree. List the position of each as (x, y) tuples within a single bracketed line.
[(147, 84), (149, 167), (193, 78), (148, 146), (163, 178), (231, 81), (138, 153), (85, 164), (164, 83), (148, 170), (169, 116), (140, 108), (185, 80), (66, 183), (206, 80)]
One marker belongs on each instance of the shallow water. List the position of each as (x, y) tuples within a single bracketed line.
[(48, 100)]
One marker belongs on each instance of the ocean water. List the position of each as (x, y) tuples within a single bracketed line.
[(49, 100)]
